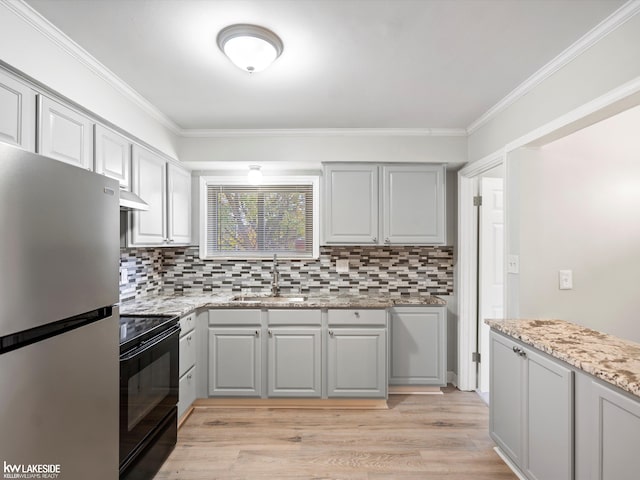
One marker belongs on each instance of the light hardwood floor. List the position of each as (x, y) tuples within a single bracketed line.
[(419, 437)]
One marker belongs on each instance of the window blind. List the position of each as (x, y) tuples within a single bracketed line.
[(249, 220)]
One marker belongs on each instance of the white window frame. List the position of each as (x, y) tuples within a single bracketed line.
[(312, 180)]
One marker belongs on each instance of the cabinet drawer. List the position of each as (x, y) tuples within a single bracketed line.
[(187, 352), (234, 317), (187, 323), (187, 391), (357, 317), (294, 316)]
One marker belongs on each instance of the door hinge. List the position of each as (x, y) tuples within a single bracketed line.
[(475, 357), (477, 201)]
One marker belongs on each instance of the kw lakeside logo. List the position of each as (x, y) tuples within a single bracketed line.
[(36, 470)]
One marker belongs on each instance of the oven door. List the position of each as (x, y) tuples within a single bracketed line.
[(148, 389)]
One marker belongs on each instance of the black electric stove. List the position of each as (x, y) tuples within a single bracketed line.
[(149, 387), (138, 329)]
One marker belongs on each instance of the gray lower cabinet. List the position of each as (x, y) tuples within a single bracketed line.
[(294, 362), (357, 353), (418, 346), (187, 363), (531, 410), (235, 361), (617, 434)]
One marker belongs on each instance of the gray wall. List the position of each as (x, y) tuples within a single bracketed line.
[(608, 64), (579, 209)]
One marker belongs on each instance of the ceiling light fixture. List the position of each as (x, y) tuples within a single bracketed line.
[(255, 175), (250, 47)]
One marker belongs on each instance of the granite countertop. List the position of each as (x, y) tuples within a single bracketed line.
[(184, 304), (606, 357)]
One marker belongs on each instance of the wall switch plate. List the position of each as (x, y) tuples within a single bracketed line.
[(513, 264), (565, 279), (342, 266), (124, 276)]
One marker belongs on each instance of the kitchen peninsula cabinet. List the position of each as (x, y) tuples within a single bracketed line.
[(418, 346), (64, 134), (17, 113), (531, 409), (167, 189), (370, 204), (357, 353)]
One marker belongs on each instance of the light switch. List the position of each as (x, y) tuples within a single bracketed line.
[(565, 279), (513, 264), (342, 266)]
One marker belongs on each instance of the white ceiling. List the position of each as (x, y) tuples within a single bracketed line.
[(346, 63)]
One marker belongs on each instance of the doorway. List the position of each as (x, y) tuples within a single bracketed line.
[(490, 267)]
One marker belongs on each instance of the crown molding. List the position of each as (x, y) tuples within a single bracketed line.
[(54, 34), (324, 132), (593, 36)]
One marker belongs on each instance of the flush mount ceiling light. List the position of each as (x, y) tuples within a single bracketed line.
[(250, 47), (255, 175)]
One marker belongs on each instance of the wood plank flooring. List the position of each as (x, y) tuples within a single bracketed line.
[(419, 437)]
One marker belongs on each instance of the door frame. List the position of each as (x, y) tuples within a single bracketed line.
[(611, 103)]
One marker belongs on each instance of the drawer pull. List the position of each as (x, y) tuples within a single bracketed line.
[(357, 314), (257, 333), (331, 332)]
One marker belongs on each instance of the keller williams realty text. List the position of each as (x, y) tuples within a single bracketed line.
[(40, 470)]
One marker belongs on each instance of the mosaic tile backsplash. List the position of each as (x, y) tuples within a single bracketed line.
[(397, 270)]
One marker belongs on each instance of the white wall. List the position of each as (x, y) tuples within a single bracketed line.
[(580, 210), (608, 64), (32, 52), (308, 151)]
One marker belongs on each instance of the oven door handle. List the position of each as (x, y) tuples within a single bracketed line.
[(147, 346)]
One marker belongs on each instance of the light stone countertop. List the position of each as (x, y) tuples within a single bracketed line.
[(185, 304), (609, 358)]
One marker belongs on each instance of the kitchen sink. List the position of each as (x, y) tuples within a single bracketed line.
[(268, 299)]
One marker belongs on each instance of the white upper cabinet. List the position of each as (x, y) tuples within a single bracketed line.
[(179, 196), (149, 181), (17, 113), (113, 155), (413, 204), (384, 204), (167, 190), (351, 203), (65, 134)]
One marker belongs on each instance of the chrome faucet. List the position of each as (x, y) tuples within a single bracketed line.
[(275, 277)]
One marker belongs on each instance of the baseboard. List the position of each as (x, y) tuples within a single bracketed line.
[(184, 416), (310, 403), (510, 464), (452, 378), (414, 390)]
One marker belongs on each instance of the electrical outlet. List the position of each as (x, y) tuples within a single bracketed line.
[(513, 264), (342, 266), (565, 280), (124, 276)]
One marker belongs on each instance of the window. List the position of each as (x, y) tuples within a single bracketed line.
[(255, 221)]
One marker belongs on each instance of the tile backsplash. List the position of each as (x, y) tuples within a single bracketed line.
[(395, 270)]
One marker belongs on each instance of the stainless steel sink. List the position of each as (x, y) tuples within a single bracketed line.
[(268, 299)]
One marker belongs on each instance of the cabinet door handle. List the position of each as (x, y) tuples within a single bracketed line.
[(270, 332), (357, 314), (257, 333), (190, 376), (189, 338), (387, 241), (517, 350), (331, 333), (374, 239), (523, 354)]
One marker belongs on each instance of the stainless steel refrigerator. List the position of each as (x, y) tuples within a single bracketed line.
[(59, 339)]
